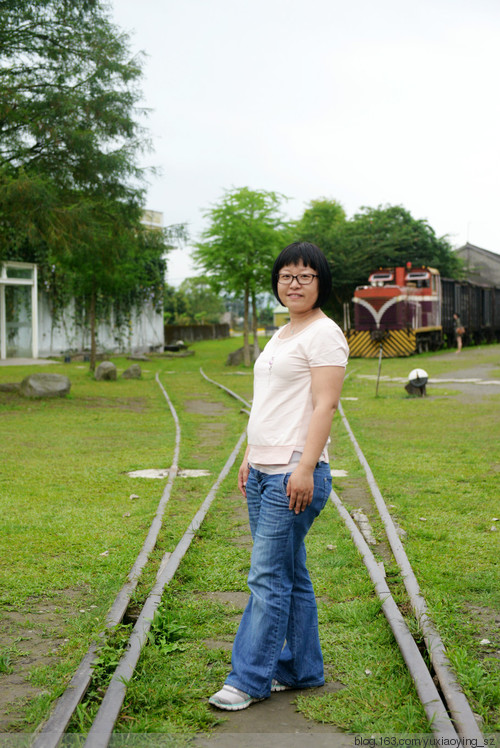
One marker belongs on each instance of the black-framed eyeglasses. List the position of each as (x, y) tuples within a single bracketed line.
[(304, 279)]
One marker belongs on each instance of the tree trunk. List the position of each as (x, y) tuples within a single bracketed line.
[(256, 348), (246, 346), (92, 314)]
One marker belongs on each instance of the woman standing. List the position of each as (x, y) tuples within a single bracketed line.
[(286, 479), (459, 331)]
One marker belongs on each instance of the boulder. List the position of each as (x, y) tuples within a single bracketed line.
[(45, 385), (10, 387), (236, 357), (133, 372), (106, 372)]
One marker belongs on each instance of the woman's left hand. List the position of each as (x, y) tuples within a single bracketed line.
[(300, 489)]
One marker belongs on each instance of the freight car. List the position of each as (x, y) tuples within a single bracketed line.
[(406, 310)]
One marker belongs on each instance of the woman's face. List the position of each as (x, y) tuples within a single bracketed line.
[(297, 298)]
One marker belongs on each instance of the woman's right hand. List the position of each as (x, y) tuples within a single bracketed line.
[(243, 477)]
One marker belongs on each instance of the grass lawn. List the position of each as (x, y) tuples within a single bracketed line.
[(71, 532)]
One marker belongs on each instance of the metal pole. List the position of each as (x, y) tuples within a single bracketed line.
[(379, 366), (3, 324), (34, 313)]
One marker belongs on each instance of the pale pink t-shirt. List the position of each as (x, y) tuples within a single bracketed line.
[(282, 404)]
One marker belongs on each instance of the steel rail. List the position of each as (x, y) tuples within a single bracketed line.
[(230, 392), (455, 698), (102, 727), (435, 710), (456, 701), (52, 731)]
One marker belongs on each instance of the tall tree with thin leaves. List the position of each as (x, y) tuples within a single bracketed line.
[(71, 191), (237, 251)]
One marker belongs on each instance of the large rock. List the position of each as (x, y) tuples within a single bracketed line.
[(133, 372), (106, 371), (45, 385), (237, 357), (10, 386)]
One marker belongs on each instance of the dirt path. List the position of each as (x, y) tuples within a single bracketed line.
[(474, 379), (274, 722), (32, 638)]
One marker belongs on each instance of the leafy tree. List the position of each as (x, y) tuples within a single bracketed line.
[(267, 303), (68, 95), (126, 268), (203, 304), (389, 236), (174, 306), (320, 222), (385, 236), (238, 248), (71, 194), (27, 206), (194, 302)]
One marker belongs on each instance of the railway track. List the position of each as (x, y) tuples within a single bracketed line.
[(446, 708), (53, 731), (451, 703)]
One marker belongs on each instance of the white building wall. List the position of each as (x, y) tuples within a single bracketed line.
[(144, 334)]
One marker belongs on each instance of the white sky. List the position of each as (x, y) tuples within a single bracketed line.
[(362, 101)]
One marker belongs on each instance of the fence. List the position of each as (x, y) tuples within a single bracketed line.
[(194, 333)]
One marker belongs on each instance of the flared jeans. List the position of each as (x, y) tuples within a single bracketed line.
[(278, 635)]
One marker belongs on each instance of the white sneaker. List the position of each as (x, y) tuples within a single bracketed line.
[(231, 699), (276, 686)]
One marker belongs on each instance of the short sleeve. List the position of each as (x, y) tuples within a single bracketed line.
[(327, 346)]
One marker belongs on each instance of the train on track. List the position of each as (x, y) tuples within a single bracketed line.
[(406, 310)]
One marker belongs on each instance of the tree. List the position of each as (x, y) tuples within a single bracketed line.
[(203, 304), (238, 248), (174, 306), (68, 96), (194, 302), (385, 236), (267, 303), (389, 235), (320, 222), (71, 195), (125, 269)]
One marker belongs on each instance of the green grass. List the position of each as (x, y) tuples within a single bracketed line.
[(436, 461), (64, 491)]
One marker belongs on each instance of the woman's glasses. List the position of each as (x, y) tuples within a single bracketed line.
[(304, 279)]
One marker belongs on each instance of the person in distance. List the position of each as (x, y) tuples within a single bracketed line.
[(459, 331)]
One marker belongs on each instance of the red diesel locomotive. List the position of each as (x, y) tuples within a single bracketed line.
[(407, 310)]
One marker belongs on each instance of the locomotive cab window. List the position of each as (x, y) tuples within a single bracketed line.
[(418, 279), (381, 279)]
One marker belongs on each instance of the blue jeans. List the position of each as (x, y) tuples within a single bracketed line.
[(278, 634)]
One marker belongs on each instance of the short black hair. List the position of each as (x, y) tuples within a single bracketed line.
[(312, 257)]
